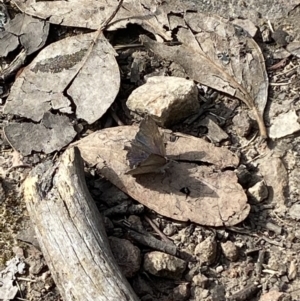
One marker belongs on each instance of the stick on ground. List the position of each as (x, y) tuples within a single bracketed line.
[(71, 233)]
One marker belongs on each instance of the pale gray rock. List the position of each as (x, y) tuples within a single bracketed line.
[(230, 250), (259, 191), (164, 265), (180, 292), (206, 251), (166, 99), (242, 124), (284, 124), (275, 175), (169, 230), (200, 280)]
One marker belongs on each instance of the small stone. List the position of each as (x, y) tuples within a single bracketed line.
[(230, 250), (164, 265), (244, 176), (266, 35), (169, 230), (292, 271), (206, 251), (200, 280), (297, 233), (180, 292), (242, 124), (281, 37), (259, 192), (272, 296), (275, 175), (294, 211), (192, 271), (284, 124), (126, 254), (147, 298), (200, 294), (219, 269), (135, 220), (166, 99), (35, 260)]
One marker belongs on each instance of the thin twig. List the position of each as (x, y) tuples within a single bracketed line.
[(287, 71), (26, 279), (270, 26), (119, 47), (281, 84), (246, 293), (115, 117), (249, 142), (259, 263), (157, 230)]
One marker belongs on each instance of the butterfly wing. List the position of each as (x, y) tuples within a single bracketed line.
[(136, 155), (149, 138), (153, 164), (147, 153)]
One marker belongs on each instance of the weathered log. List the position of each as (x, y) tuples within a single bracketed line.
[(71, 232)]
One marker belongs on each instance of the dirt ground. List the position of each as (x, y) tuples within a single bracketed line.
[(265, 246)]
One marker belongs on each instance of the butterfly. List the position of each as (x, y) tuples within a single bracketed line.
[(147, 153)]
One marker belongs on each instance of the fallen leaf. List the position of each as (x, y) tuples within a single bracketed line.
[(9, 42), (90, 14), (215, 198), (29, 32), (222, 56), (52, 80), (52, 134)]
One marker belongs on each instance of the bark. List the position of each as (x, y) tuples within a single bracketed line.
[(71, 232)]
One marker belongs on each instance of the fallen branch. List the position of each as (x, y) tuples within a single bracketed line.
[(71, 232)]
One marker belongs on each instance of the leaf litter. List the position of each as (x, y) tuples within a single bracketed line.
[(203, 172), (147, 13), (84, 92), (213, 52)]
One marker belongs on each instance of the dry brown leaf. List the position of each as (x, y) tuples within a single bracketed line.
[(215, 197), (25, 30), (150, 14), (53, 133), (43, 84), (221, 56)]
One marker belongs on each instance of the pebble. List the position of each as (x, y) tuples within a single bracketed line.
[(230, 251), (259, 192), (126, 254), (164, 265), (167, 99), (206, 251)]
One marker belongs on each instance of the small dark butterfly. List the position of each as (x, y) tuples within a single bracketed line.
[(147, 153)]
